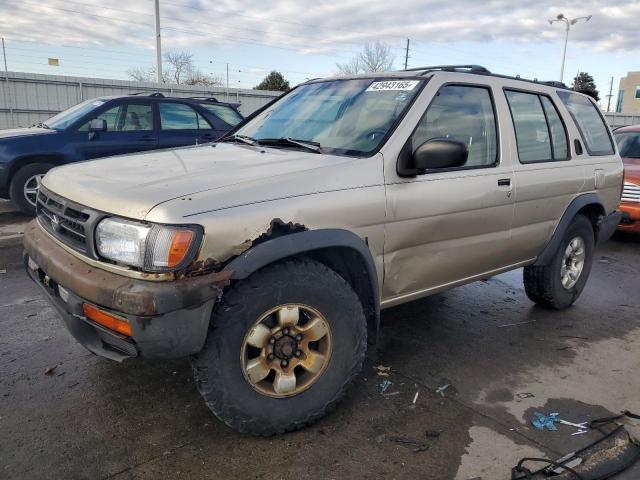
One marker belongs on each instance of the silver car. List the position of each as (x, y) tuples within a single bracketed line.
[(266, 257)]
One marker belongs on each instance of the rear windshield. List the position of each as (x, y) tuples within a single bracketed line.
[(590, 123), (628, 144)]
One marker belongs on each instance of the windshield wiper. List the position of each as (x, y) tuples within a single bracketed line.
[(240, 138), (306, 144)]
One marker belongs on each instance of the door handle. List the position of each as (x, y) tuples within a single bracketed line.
[(504, 182)]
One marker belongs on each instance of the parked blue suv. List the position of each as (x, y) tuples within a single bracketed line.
[(103, 127)]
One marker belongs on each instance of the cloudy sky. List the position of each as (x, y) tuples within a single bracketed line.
[(305, 38)]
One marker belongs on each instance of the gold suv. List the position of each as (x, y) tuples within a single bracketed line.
[(267, 256)]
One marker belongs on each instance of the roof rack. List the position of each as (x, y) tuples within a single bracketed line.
[(451, 68), (145, 94), (208, 99), (554, 83)]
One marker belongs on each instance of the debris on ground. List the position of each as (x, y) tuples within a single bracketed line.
[(382, 371), (415, 445), (391, 394), (516, 324), (432, 434), (3, 271), (525, 395), (384, 386), (545, 421), (415, 397), (50, 370), (442, 388)]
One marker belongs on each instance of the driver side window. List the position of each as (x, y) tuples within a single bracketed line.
[(126, 117), (466, 114)]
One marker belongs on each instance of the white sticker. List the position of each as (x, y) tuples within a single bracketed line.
[(393, 85), (97, 103)]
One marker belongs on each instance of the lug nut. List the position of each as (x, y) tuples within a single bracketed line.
[(271, 356), (272, 340), (298, 353), (284, 363), (285, 331), (298, 337)]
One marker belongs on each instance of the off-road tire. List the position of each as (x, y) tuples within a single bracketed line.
[(217, 368), (16, 188), (543, 284)]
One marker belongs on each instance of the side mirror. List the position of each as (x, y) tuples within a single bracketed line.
[(440, 153), (98, 125)]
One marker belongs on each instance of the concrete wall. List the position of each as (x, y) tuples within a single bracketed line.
[(629, 94), (32, 97), (621, 119)]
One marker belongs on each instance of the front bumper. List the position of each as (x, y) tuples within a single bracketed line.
[(168, 319), (630, 217)]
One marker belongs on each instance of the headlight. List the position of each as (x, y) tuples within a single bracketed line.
[(152, 248)]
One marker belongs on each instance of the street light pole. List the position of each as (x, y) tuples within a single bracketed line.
[(567, 22), (158, 45)]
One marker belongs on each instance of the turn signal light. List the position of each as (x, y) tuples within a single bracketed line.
[(107, 320), (179, 247)]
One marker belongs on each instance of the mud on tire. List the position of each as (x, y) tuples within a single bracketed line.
[(543, 283), (218, 368)]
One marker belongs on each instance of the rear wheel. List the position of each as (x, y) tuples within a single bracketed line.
[(559, 284), (282, 347), (24, 186)]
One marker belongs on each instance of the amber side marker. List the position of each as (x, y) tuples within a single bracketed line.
[(107, 320)]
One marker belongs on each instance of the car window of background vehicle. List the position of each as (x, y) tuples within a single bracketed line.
[(629, 144), (462, 113), (178, 116), (344, 116), (227, 114), (126, 117)]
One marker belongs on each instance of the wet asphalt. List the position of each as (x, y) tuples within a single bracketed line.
[(65, 413)]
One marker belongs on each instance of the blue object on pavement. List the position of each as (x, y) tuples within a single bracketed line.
[(545, 421), (384, 386)]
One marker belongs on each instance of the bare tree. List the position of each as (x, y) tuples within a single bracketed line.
[(375, 57), (179, 68)]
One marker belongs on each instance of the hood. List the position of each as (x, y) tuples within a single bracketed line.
[(24, 132), (132, 185), (632, 169)]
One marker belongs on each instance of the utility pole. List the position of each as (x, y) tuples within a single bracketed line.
[(610, 95), (227, 99), (158, 45), (7, 95), (568, 23), (406, 55)]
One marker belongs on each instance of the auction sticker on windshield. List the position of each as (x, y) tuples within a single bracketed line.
[(394, 85)]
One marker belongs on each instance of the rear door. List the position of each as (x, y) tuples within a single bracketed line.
[(181, 125), (130, 128)]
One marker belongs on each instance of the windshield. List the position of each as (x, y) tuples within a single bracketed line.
[(628, 144), (227, 114), (349, 117), (69, 116)]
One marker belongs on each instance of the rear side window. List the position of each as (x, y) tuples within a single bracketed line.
[(178, 116), (540, 133), (590, 123), (227, 114)]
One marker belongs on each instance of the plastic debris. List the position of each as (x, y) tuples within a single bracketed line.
[(3, 271), (441, 389), (384, 386), (545, 421), (415, 445), (383, 371), (579, 432), (415, 397), (525, 395)]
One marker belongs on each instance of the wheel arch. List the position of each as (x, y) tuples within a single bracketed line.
[(589, 205), (19, 162), (340, 250)]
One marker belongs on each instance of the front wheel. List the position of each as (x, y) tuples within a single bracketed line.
[(559, 284), (23, 190), (282, 347)]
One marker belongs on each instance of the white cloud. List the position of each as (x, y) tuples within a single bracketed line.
[(310, 26)]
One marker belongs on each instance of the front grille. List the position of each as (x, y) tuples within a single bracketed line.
[(630, 192), (69, 222)]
